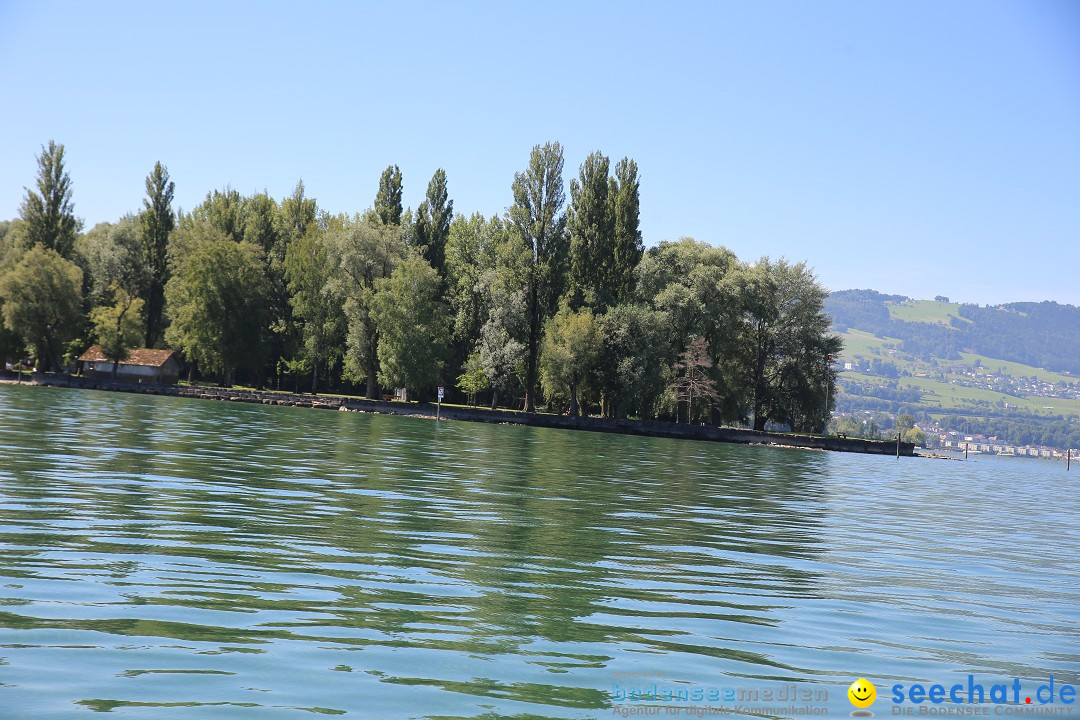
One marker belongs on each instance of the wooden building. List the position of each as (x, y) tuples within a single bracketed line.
[(142, 365)]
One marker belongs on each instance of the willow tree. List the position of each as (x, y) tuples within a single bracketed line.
[(571, 348), (537, 221), (41, 300), (783, 345), (413, 322), (316, 301), (118, 327), (365, 250), (216, 300)]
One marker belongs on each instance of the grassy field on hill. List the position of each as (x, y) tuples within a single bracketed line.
[(943, 394), (943, 361), (858, 343), (926, 311)]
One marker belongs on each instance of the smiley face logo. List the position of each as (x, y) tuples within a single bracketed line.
[(862, 693)]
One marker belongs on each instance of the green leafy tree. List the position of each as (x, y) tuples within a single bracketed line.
[(634, 360), (432, 228), (473, 380), (225, 210), (571, 348), (261, 227), (264, 229), (413, 324), (388, 200), (694, 285), (501, 348), (41, 297), (605, 242), (316, 301), (629, 247), (783, 345), (48, 214), (111, 255), (590, 221), (365, 250), (216, 301), (688, 281), (537, 221), (9, 245), (119, 326), (297, 367), (295, 215), (10, 343), (918, 436), (156, 222), (472, 264)]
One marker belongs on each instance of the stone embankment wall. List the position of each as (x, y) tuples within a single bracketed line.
[(646, 428)]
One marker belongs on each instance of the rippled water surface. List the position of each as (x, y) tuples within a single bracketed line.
[(167, 558)]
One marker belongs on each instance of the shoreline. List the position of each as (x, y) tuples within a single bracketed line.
[(644, 428)]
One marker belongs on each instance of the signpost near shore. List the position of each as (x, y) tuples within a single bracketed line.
[(438, 406)]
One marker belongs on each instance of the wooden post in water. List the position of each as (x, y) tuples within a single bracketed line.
[(897, 446), (1068, 459), (965, 450)]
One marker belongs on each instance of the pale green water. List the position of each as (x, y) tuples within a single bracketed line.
[(164, 558)]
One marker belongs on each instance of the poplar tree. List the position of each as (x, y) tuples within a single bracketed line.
[(433, 222), (537, 221), (156, 222), (48, 213), (590, 221), (388, 199), (628, 246)]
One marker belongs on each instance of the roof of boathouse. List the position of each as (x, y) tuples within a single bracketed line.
[(136, 356)]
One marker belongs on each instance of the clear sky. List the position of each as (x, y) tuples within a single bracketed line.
[(919, 148)]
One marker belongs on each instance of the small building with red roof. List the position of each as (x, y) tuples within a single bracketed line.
[(141, 365)]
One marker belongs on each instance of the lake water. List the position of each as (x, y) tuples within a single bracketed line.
[(168, 558)]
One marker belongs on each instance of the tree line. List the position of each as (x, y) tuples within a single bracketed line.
[(555, 304)]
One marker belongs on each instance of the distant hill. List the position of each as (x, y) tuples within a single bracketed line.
[(1042, 335), (1010, 371)]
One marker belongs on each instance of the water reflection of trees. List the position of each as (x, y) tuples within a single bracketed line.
[(552, 548)]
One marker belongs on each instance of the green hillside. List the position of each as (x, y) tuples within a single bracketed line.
[(926, 311), (962, 366)]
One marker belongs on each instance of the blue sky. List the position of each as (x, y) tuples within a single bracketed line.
[(919, 148)]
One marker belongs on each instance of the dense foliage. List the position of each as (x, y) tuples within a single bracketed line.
[(556, 304)]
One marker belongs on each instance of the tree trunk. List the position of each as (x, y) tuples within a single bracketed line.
[(759, 418), (314, 375), (494, 399), (573, 400), (372, 384), (759, 390), (534, 338), (155, 303)]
